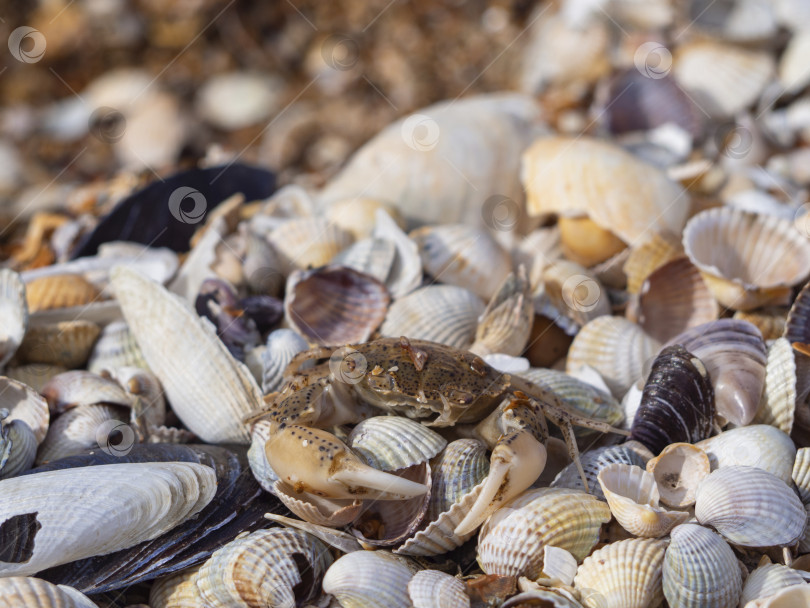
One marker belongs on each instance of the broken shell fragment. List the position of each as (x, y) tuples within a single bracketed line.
[(678, 470)]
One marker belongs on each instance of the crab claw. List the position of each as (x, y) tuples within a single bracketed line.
[(516, 462), (315, 461)]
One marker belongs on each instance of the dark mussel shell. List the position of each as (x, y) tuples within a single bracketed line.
[(677, 403), (239, 505), (217, 302)]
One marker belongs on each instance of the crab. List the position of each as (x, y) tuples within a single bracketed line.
[(433, 383)]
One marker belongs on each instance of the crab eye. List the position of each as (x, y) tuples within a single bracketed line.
[(459, 396)]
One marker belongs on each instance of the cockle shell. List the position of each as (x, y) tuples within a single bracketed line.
[(18, 447), (66, 343), (758, 445), (593, 461), (624, 574), (510, 542), (208, 389), (506, 324), (282, 345), (734, 251), (389, 443), (632, 495), (318, 510), (78, 387), (791, 597), (768, 579), (176, 591), (368, 579), (678, 470), (26, 405), (750, 507), (78, 429), (13, 312), (585, 242), (570, 295), (700, 569), (60, 516), (801, 473), (371, 256), (60, 291), (16, 591), (308, 242), (435, 589), (777, 406), (646, 257), (115, 347)]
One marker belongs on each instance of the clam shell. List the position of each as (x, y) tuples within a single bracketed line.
[(335, 305), (624, 574), (767, 580), (282, 346), (22, 445), (435, 589), (511, 540), (700, 569), (646, 257), (276, 567), (593, 461), (439, 313), (16, 591), (367, 579), (389, 443), (734, 251), (67, 343), (465, 256), (208, 389), (316, 509), (371, 256), (61, 516), (759, 445), (506, 324), (678, 470), (734, 355), (35, 375), (308, 242), (26, 405), (115, 347), (405, 274), (13, 312), (583, 176), (614, 347), (778, 403), (632, 495), (78, 387), (78, 429), (571, 296), (677, 403), (60, 291), (750, 507)]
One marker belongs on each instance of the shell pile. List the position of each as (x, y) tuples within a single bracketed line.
[(208, 412)]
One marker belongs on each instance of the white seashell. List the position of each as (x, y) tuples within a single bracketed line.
[(199, 264), (759, 445), (317, 509), (506, 324), (795, 596), (405, 274), (559, 564), (77, 430), (367, 579), (308, 242), (801, 473), (794, 74), (115, 347), (78, 387), (235, 100), (593, 461), (13, 313), (257, 457), (372, 256), (70, 514), (208, 389), (778, 403), (768, 579), (389, 443), (678, 470), (17, 591), (435, 589), (358, 216), (282, 346), (26, 405)]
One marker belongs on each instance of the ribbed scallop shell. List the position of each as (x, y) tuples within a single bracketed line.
[(335, 305), (678, 470), (624, 574), (78, 387), (734, 355), (593, 461), (570, 295), (257, 458), (750, 507), (23, 447), (208, 389), (614, 347), (282, 345), (116, 347), (439, 313), (801, 473), (369, 579), (777, 406), (700, 570), (576, 176), (77, 429), (767, 580), (67, 343), (506, 324), (791, 597), (735, 249), (374, 257), (759, 445), (672, 299), (19, 591), (462, 255), (511, 541), (435, 589), (677, 403), (13, 314), (276, 567), (176, 591), (308, 242), (646, 257), (60, 291), (333, 513), (25, 404), (461, 466), (633, 498), (546, 597), (388, 443)]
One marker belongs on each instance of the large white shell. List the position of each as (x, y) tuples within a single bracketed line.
[(13, 314), (759, 445), (768, 579), (389, 443), (777, 406), (25, 404), (435, 589), (366, 579)]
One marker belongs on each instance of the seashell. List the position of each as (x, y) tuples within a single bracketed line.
[(439, 313), (276, 567), (632, 495), (464, 256), (673, 299), (78, 387), (176, 591), (115, 347), (593, 461), (728, 246), (208, 389), (358, 217), (335, 305), (333, 513), (646, 257), (678, 470), (614, 347), (770, 321), (797, 325), (795, 595), (372, 256), (759, 445), (79, 428), (54, 518), (550, 597), (750, 507), (801, 473), (282, 346), (624, 574), (367, 579), (26, 405), (406, 273), (610, 272), (570, 295), (67, 343), (793, 71), (559, 565), (34, 375), (148, 405), (745, 21), (578, 396), (677, 403), (586, 243), (582, 176), (308, 242), (767, 580), (389, 443), (13, 312), (442, 164), (722, 79), (511, 540), (700, 569), (18, 447), (505, 325), (257, 457), (16, 591), (60, 291), (435, 589)]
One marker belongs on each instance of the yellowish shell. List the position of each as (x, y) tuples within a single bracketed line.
[(770, 321), (768, 579), (587, 243), (176, 591), (60, 291), (645, 257), (777, 406), (308, 243), (67, 343), (17, 591)]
